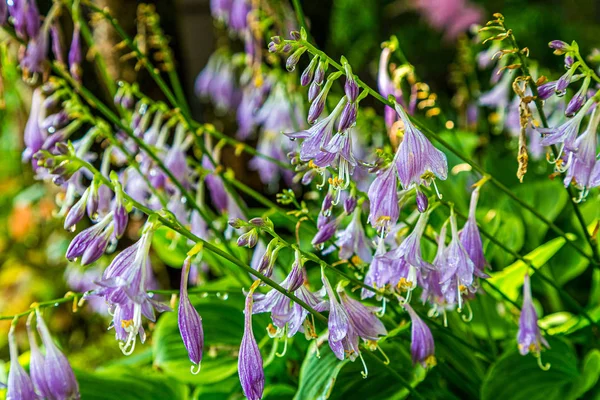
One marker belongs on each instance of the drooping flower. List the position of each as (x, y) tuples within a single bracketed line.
[(471, 238), (379, 272), (124, 287), (34, 137), (432, 289), (418, 162), (353, 240), (75, 56), (189, 321), (326, 228), (19, 384), (383, 199), (581, 161), (318, 135), (566, 133), (578, 98), (36, 363), (91, 243), (406, 261), (386, 86), (529, 337), (250, 363), (59, 377), (422, 346), (456, 268)]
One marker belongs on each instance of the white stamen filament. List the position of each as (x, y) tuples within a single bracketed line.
[(364, 373), (197, 370)]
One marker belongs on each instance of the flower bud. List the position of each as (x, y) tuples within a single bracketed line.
[(248, 239), (320, 72), (189, 321), (348, 117), (351, 87), (295, 35), (308, 74), (313, 91), (422, 201), (559, 47), (292, 60)]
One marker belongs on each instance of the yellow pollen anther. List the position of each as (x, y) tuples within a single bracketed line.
[(404, 284), (430, 361), (356, 260), (126, 323)]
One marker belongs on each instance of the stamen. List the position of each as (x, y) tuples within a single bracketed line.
[(195, 371), (387, 359), (469, 316), (285, 342), (364, 373), (543, 367), (439, 195), (382, 312)]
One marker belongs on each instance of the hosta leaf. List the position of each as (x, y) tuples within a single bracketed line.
[(129, 384), (318, 374), (518, 377)]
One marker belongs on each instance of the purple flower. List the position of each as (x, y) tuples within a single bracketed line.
[(91, 243), (350, 87), (57, 43), (59, 377), (564, 81), (320, 71), (422, 346), (348, 117), (339, 148), (546, 90), (578, 98), (379, 272), (34, 137), (432, 290), (406, 261), (422, 201), (19, 384), (383, 199), (190, 322), (215, 185), (309, 72), (567, 132), (353, 240), (326, 227), (36, 363), (124, 286), (238, 19), (338, 322), (217, 82), (386, 86), (529, 337), (75, 55), (498, 96), (417, 160), (250, 363), (34, 60), (581, 160), (559, 46), (456, 268), (471, 238), (318, 135)]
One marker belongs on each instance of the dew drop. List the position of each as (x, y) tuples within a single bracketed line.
[(204, 295), (72, 228)]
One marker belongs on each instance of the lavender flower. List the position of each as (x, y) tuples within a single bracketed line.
[(91, 243), (471, 238), (19, 384), (456, 268), (350, 87), (581, 161), (546, 90), (417, 160), (386, 86), (124, 286), (250, 363), (383, 199), (566, 133), (565, 80), (339, 148), (190, 322), (422, 201), (578, 98), (318, 135), (75, 56), (34, 137), (59, 377), (309, 72), (529, 337), (353, 240), (379, 272), (326, 228), (406, 261), (36, 363), (422, 346)]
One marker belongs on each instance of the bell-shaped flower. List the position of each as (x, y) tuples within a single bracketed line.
[(189, 321), (566, 133), (379, 273), (471, 238), (383, 199), (353, 240), (456, 268), (422, 346), (19, 386), (529, 337), (581, 161), (36, 363), (59, 377), (386, 86), (250, 363), (417, 160), (318, 135), (91, 243)]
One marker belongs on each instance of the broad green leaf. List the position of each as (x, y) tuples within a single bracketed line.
[(518, 377), (510, 279), (589, 374), (548, 198), (487, 321), (129, 384), (318, 373), (566, 323), (508, 228)]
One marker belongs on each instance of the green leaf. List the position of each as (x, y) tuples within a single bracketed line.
[(508, 228), (589, 374), (129, 384), (518, 377), (318, 374), (510, 279), (537, 195)]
